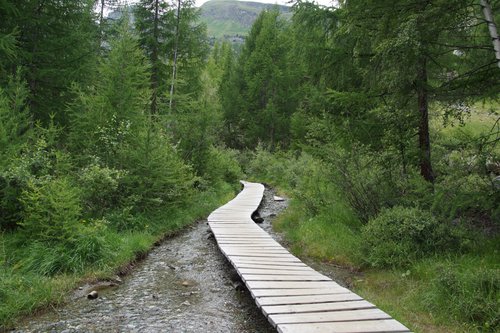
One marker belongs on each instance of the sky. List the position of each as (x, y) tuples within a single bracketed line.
[(280, 2)]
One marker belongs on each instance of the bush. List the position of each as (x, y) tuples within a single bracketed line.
[(99, 187), (400, 235)]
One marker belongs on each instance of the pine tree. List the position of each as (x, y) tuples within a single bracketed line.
[(56, 43), (108, 116)]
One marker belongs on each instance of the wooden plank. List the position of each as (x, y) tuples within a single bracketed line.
[(263, 264), (297, 292), (334, 316), (309, 299), (248, 243), (303, 277), (290, 285), (370, 326), (273, 267), (254, 250), (270, 260), (316, 307), (272, 271), (254, 254)]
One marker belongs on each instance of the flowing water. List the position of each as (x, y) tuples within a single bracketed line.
[(184, 285)]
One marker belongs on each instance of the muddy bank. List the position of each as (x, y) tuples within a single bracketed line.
[(183, 285)]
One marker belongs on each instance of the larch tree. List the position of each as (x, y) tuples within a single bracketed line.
[(431, 51)]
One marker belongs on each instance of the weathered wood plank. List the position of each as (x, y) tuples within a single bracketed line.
[(316, 307), (309, 299), (273, 271), (371, 326), (297, 292), (262, 264), (335, 316), (303, 277), (290, 284)]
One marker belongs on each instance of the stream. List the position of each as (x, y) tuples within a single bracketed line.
[(184, 285)]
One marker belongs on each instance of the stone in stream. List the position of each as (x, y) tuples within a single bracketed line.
[(276, 198), (256, 217), (93, 295)]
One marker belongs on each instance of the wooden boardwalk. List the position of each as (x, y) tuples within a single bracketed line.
[(294, 297)]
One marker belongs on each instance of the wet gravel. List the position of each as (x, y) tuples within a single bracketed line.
[(184, 285)]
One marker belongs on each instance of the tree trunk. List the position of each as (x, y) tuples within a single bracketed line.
[(101, 17), (176, 48), (423, 126), (155, 60), (488, 15)]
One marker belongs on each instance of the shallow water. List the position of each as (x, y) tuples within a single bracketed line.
[(184, 285)]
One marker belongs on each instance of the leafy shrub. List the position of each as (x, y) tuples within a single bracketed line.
[(468, 195), (467, 294), (400, 235), (100, 187)]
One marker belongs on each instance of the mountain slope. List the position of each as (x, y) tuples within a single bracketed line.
[(225, 18)]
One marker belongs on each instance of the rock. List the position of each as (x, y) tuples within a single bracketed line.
[(186, 283), (276, 198), (171, 267), (238, 285), (93, 295), (80, 288), (116, 279), (257, 218), (186, 303)]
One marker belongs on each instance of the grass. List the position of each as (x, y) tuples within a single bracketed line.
[(453, 293), (24, 288), (326, 236), (446, 292)]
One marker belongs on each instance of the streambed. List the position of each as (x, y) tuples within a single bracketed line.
[(184, 285)]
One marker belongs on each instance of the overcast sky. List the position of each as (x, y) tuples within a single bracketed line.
[(281, 2)]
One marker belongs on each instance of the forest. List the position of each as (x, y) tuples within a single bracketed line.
[(379, 119)]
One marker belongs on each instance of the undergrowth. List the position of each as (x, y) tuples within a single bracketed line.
[(31, 277)]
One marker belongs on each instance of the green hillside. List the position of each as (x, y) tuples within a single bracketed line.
[(226, 18)]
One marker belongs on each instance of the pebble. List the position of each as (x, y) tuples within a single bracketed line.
[(93, 295)]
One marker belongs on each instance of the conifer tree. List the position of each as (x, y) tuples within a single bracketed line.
[(56, 44)]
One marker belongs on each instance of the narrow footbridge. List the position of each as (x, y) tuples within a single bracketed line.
[(294, 297)]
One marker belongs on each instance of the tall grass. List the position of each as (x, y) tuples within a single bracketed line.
[(32, 277)]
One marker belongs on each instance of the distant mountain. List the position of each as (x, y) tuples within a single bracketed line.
[(231, 19)]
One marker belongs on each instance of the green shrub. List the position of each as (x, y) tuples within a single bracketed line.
[(400, 235), (471, 195), (468, 294), (99, 187)]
